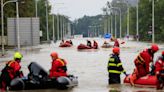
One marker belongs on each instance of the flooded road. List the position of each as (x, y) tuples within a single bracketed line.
[(89, 65)]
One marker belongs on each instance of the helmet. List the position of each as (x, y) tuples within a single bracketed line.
[(18, 55), (116, 50), (163, 53), (154, 47), (54, 54)]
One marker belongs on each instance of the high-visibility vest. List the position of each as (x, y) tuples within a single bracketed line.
[(140, 59), (115, 65)]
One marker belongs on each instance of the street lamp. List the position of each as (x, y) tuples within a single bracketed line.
[(57, 20), (153, 22), (47, 20), (53, 32), (127, 18), (111, 25), (2, 23), (115, 20), (128, 23), (153, 34), (17, 18), (137, 34), (36, 8)]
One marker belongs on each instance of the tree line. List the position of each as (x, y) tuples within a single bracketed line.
[(145, 18), (27, 9)]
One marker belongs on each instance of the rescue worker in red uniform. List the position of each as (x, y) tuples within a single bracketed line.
[(11, 71), (142, 63), (59, 67), (159, 71), (116, 43), (115, 67), (95, 44)]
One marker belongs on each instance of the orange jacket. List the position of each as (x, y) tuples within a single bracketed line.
[(58, 68)]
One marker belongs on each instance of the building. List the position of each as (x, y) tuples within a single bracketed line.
[(29, 31)]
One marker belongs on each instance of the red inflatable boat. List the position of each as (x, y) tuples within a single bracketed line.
[(65, 45), (82, 46), (146, 81)]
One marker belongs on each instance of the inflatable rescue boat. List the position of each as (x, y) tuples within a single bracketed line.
[(83, 46), (145, 81), (38, 79), (65, 45)]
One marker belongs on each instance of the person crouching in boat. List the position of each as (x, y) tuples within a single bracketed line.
[(159, 71), (115, 67), (142, 63), (11, 71), (59, 67)]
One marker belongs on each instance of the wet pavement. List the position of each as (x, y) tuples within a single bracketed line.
[(89, 65)]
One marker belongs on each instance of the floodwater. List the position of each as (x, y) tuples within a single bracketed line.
[(89, 65)]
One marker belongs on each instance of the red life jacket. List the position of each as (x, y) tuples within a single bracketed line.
[(12, 68)]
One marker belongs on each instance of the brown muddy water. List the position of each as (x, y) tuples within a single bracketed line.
[(89, 65)]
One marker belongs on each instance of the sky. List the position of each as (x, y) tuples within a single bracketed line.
[(75, 9)]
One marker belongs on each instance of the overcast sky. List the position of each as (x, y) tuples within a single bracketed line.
[(78, 8)]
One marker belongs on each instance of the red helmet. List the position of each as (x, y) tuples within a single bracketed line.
[(54, 55), (163, 53), (116, 50), (154, 47)]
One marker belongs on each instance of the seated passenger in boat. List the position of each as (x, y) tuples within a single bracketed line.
[(159, 71), (59, 67)]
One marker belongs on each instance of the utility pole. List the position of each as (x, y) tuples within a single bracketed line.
[(53, 28), (120, 24), (111, 25), (2, 25), (36, 8), (58, 26), (128, 23), (137, 35), (17, 27), (47, 20), (153, 37), (115, 26)]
